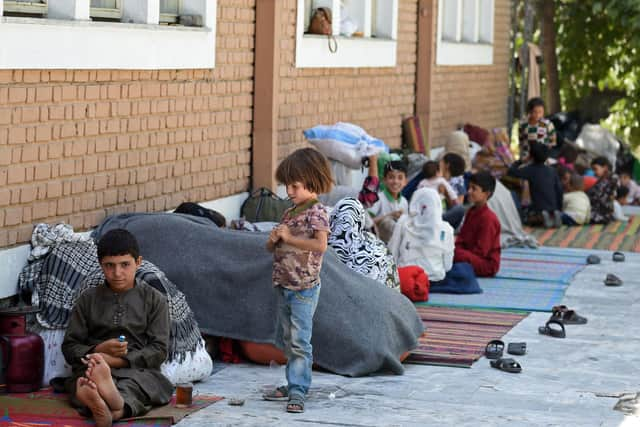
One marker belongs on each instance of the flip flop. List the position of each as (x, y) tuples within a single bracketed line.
[(569, 317), (559, 308), (618, 256), (553, 328), (278, 394), (494, 349), (295, 404), (612, 280), (507, 365), (593, 259), (517, 348)]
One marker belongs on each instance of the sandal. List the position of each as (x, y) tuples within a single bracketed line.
[(593, 259), (618, 256), (612, 280), (278, 394), (517, 348), (494, 349), (295, 404), (507, 365), (568, 317), (553, 328)]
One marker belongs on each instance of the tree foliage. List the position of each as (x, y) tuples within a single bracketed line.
[(598, 45)]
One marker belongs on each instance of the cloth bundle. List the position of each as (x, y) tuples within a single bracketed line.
[(414, 283)]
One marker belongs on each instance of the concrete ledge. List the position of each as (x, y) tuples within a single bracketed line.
[(12, 260)]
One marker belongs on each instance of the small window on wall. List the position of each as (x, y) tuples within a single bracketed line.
[(169, 11), (465, 32), (354, 22), (106, 10), (28, 8)]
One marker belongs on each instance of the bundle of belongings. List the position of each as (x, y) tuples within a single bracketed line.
[(62, 264), (345, 142), (361, 326)]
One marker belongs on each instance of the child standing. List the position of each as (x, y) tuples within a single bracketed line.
[(391, 203), (298, 245), (536, 128), (603, 192), (544, 186), (479, 240)]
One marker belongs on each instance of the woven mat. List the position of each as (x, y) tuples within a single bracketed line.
[(457, 337), (616, 236), (46, 408)]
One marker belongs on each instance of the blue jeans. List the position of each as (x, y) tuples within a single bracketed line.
[(296, 320)]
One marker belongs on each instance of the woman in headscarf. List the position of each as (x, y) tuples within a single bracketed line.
[(422, 238), (359, 249)]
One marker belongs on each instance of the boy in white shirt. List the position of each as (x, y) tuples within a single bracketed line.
[(391, 203)]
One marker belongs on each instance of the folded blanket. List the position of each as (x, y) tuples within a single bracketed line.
[(360, 326)]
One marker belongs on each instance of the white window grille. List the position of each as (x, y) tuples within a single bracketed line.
[(465, 32), (370, 42), (31, 8), (106, 9)]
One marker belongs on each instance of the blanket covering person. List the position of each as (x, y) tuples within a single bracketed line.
[(360, 325), (357, 248), (422, 238), (511, 232)]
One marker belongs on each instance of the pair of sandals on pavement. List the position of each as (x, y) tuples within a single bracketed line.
[(495, 349), (561, 315), (610, 279), (295, 402)]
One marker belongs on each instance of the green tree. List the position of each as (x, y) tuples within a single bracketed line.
[(598, 47)]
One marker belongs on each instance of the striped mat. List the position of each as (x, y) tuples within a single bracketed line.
[(526, 268), (616, 236), (457, 337)]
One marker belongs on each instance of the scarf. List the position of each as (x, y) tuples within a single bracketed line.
[(425, 215), (357, 248)]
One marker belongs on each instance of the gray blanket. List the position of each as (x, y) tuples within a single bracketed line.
[(360, 326)]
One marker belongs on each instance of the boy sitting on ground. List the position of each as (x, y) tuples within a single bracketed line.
[(603, 192), (633, 197), (391, 203), (576, 207), (116, 378), (544, 187), (479, 240)]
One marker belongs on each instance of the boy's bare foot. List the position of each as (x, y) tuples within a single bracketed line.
[(100, 373), (87, 394)]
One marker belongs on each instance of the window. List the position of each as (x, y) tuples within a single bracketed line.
[(32, 8), (106, 10), (465, 32), (366, 38), (169, 11), (133, 40)]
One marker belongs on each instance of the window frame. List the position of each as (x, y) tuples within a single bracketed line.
[(73, 42), (460, 51), (170, 18), (313, 51)]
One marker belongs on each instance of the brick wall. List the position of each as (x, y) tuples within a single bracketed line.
[(473, 94), (375, 98), (78, 145)]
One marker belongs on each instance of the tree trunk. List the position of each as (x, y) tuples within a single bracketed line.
[(549, 54)]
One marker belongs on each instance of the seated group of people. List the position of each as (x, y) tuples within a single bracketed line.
[(557, 192)]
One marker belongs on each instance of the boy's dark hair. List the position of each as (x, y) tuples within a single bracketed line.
[(430, 169), (394, 165), (601, 161), (118, 242), (576, 182), (622, 191), (308, 166), (562, 170), (455, 162), (569, 153), (625, 172), (485, 181), (539, 153), (533, 103)]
